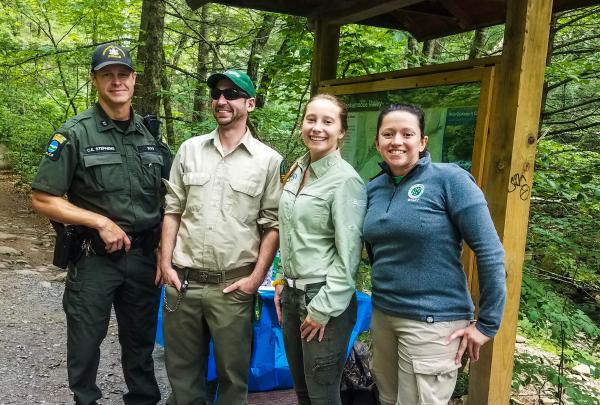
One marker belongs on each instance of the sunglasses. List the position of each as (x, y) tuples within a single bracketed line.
[(229, 94)]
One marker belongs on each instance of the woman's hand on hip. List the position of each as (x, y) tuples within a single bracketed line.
[(472, 340), (309, 329)]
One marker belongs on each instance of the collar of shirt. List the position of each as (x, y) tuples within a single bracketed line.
[(421, 163), (321, 166), (247, 141), (104, 123)]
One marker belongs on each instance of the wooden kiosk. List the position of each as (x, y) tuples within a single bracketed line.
[(506, 129)]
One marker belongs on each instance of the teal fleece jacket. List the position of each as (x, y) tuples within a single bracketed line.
[(414, 233)]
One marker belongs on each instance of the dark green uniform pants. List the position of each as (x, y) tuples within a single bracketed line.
[(316, 367), (93, 285), (205, 313)]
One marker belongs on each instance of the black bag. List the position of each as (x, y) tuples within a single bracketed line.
[(358, 385)]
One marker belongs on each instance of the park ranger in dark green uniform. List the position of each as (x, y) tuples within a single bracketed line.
[(109, 165)]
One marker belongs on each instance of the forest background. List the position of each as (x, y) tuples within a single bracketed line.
[(45, 48)]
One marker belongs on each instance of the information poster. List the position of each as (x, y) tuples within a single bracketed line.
[(450, 117)]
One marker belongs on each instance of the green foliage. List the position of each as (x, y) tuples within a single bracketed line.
[(363, 277), (531, 370), (572, 111), (560, 327), (565, 214), (547, 315), (367, 50)]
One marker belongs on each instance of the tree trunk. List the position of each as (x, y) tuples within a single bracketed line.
[(166, 86), (429, 50), (290, 35), (477, 44), (545, 89), (412, 59), (150, 57), (92, 94), (258, 45), (200, 95), (269, 72)]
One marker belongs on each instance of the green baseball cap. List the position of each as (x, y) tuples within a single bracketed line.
[(240, 79)]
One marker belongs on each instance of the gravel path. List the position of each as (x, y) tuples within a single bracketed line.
[(32, 324)]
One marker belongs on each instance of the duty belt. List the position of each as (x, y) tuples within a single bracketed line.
[(209, 276)]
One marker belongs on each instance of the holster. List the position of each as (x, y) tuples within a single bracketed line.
[(67, 245), (151, 240)]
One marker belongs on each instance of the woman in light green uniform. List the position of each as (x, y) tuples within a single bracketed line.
[(321, 214)]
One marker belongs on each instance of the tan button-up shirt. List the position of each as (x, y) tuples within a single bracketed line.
[(321, 231), (224, 199)]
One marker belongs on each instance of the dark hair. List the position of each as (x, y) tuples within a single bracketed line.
[(334, 100), (409, 108)]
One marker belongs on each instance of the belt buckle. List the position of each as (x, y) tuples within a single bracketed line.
[(202, 277)]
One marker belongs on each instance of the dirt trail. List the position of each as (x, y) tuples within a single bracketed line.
[(32, 323)]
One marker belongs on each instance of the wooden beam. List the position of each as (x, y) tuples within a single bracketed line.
[(196, 4), (463, 17), (508, 177), (435, 79), (360, 11), (325, 54), (418, 71)]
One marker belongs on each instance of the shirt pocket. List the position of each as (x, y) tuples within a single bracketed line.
[(196, 184), (313, 208), (243, 199), (106, 171), (152, 164)]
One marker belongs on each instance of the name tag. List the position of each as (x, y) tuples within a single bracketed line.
[(100, 149), (148, 149)]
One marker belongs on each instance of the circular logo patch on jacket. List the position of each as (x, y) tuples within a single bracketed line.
[(55, 146), (415, 192)]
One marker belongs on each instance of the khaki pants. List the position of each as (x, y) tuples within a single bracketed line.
[(205, 313), (412, 364)]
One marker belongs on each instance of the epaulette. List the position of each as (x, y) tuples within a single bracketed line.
[(71, 122)]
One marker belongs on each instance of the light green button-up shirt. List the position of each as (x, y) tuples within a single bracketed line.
[(321, 231)]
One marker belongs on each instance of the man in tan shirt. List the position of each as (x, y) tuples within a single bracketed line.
[(219, 237)]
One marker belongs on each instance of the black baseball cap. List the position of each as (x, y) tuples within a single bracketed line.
[(111, 54)]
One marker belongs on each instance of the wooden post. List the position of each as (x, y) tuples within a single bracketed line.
[(325, 54), (508, 177)]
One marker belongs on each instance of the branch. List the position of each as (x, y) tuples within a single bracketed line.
[(579, 40), (56, 52), (185, 72), (576, 52), (590, 101), (576, 128), (210, 44), (584, 75), (585, 13)]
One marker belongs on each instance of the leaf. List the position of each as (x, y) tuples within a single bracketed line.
[(533, 315)]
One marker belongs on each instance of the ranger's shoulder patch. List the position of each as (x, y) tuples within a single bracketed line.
[(55, 146)]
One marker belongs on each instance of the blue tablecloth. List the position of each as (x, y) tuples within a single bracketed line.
[(268, 366)]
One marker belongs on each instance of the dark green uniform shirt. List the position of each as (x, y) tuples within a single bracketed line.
[(105, 170)]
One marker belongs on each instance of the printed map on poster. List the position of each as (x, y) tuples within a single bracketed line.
[(450, 117)]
